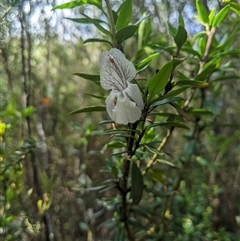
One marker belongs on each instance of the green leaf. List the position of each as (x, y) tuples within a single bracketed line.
[(126, 33), (89, 109), (97, 25), (201, 111), (193, 83), (181, 36), (211, 16), (177, 61), (181, 20), (220, 16), (124, 14), (176, 92), (172, 30), (168, 124), (86, 20), (202, 12), (158, 82), (235, 7), (145, 62), (115, 16), (92, 40), (92, 77), (96, 96), (166, 101), (206, 73), (137, 184), (115, 144), (78, 3)]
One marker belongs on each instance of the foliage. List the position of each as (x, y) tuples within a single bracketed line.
[(160, 178)]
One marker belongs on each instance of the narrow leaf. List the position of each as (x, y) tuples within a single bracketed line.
[(124, 14), (177, 91), (172, 30), (137, 184), (158, 82), (202, 12), (126, 33), (92, 40), (97, 25), (193, 83), (91, 77), (169, 124), (166, 101), (88, 109), (144, 63), (220, 16), (78, 3)]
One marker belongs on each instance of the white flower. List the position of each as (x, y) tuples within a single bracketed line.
[(124, 103)]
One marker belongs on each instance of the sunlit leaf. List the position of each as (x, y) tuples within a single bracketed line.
[(202, 12), (145, 62), (235, 7), (124, 14), (137, 184), (126, 33), (88, 109), (78, 3), (211, 16), (158, 82), (220, 16)]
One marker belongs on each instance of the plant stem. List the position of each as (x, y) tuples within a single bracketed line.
[(112, 22)]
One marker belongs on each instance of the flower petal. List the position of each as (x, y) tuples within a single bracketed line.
[(115, 70), (125, 111), (133, 92)]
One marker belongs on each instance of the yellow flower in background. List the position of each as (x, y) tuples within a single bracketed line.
[(2, 128)]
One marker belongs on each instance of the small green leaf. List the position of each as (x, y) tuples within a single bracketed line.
[(193, 83), (88, 109), (177, 61), (202, 12), (145, 62), (137, 184), (235, 7), (126, 33), (220, 16), (97, 25), (172, 30), (101, 97), (206, 73), (211, 16), (201, 111), (181, 20), (115, 144), (181, 36), (78, 3), (92, 40), (176, 92), (158, 82), (168, 124), (124, 14), (86, 20), (166, 101), (92, 77)]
